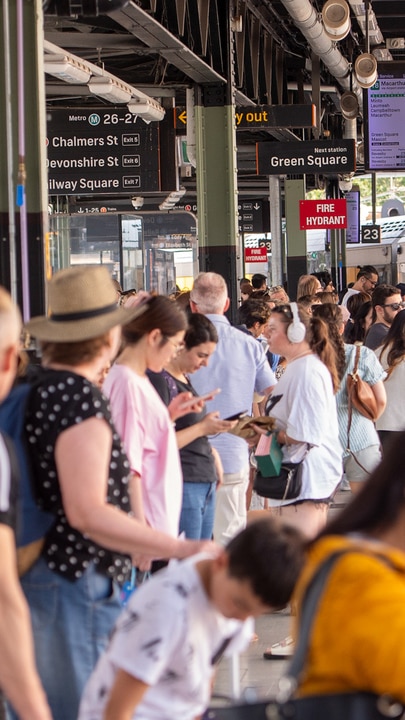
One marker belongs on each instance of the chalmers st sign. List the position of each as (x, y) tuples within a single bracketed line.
[(101, 151), (298, 158)]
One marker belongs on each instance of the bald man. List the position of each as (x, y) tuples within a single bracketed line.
[(18, 676)]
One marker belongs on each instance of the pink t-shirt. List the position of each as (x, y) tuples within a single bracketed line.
[(144, 424)]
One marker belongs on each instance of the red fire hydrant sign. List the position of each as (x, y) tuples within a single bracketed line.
[(255, 255), (330, 214)]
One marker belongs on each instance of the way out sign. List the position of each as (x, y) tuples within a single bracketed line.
[(329, 214)]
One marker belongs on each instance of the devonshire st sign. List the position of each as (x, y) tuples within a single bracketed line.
[(295, 158)]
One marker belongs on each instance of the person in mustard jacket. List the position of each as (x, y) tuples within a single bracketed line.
[(357, 639)]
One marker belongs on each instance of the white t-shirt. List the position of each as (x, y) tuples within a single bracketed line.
[(393, 417), (166, 637), (148, 435), (304, 405), (348, 294)]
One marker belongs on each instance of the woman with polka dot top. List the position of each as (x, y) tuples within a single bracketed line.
[(82, 476)]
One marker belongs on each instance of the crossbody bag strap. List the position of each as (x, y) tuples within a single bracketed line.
[(349, 402), (309, 608), (310, 603)]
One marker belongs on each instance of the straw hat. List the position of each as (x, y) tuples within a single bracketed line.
[(82, 304)]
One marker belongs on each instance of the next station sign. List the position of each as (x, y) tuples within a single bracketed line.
[(297, 158), (101, 151), (329, 214)]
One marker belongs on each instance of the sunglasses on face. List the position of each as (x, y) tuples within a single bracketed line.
[(395, 306)]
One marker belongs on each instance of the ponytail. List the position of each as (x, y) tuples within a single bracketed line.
[(321, 345)]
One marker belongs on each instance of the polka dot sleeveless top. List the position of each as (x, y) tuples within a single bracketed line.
[(61, 400)]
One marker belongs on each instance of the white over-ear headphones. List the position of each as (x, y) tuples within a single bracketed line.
[(296, 330)]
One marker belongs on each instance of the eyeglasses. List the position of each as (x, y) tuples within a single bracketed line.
[(395, 306), (372, 282), (177, 346)]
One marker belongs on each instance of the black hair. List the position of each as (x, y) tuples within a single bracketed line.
[(381, 499), (381, 294), (200, 330), (160, 313), (252, 311), (366, 271), (355, 330), (257, 280), (270, 556), (324, 277)]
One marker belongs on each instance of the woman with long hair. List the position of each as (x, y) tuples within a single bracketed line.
[(140, 416), (304, 409), (357, 434), (392, 358), (200, 463), (303, 406), (364, 594)]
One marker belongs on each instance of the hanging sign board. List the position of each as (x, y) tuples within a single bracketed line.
[(329, 214), (297, 158), (353, 216), (98, 151), (256, 255)]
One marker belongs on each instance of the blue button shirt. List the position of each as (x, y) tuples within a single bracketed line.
[(239, 367)]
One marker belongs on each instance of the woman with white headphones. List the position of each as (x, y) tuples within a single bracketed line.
[(304, 408)]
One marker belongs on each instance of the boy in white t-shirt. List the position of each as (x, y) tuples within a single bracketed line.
[(161, 657)]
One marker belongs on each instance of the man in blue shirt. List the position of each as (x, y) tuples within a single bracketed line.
[(239, 368)]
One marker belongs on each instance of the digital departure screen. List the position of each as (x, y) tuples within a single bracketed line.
[(384, 119)]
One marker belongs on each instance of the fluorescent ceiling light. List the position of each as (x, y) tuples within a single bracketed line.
[(172, 199), (110, 89), (148, 110), (67, 69), (382, 54)]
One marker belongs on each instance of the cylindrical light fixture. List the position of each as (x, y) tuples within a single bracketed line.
[(336, 19), (365, 68), (349, 105)]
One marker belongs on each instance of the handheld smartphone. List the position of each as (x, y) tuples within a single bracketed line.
[(237, 416), (195, 399)]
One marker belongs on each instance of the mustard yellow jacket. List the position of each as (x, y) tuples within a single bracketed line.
[(358, 636)]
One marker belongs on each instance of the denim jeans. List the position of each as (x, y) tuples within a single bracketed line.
[(72, 622), (197, 512)]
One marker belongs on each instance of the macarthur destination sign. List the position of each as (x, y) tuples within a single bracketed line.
[(296, 158), (101, 151)]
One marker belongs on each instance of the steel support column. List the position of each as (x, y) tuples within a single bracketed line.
[(25, 60), (217, 199), (296, 238)]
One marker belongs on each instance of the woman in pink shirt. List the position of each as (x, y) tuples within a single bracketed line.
[(140, 416)]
